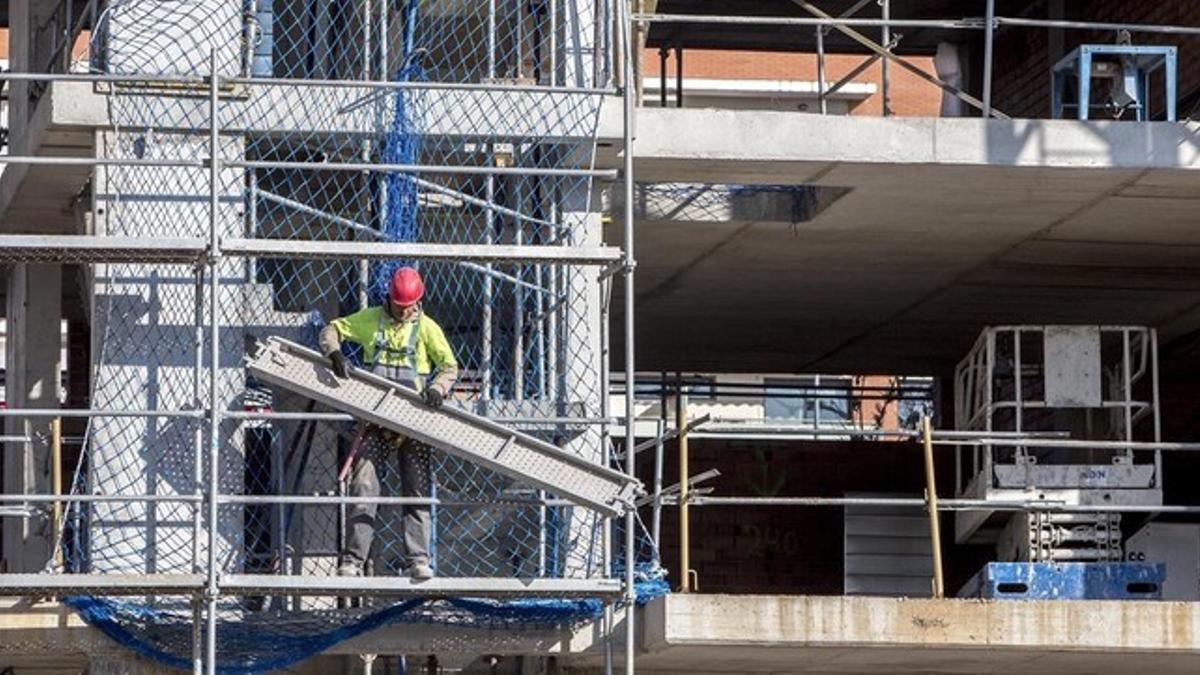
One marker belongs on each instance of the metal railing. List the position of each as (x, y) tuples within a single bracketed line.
[(847, 24), (689, 492)]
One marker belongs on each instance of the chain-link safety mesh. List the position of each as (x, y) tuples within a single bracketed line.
[(527, 336)]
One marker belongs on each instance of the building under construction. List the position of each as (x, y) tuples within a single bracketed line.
[(792, 335)]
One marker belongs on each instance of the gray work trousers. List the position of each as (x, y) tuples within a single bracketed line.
[(416, 480)]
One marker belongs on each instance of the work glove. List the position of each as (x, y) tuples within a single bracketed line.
[(432, 397), (337, 361)]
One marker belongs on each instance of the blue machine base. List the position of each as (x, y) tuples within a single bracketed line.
[(1067, 581)]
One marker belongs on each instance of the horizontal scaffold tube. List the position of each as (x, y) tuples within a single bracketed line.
[(976, 23), (204, 82), (185, 250)]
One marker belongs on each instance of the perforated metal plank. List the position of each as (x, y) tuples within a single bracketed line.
[(375, 250), (101, 584), (476, 439), (438, 586), (51, 248)]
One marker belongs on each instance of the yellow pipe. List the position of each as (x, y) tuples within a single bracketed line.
[(935, 529), (685, 539)]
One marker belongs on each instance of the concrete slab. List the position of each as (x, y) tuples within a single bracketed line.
[(314, 111), (795, 634), (785, 634), (720, 136), (949, 225)]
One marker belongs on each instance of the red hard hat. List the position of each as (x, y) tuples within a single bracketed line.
[(406, 287)]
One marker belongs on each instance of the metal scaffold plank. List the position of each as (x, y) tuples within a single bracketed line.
[(101, 584), (189, 250), (250, 584), (292, 248), (383, 403), (97, 249)]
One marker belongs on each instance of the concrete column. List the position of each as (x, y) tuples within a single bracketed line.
[(33, 373), (31, 34), (19, 35), (582, 365)]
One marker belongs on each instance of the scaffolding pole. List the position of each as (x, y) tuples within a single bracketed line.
[(988, 42), (198, 428), (681, 414), (885, 39), (931, 505), (630, 366), (211, 591)]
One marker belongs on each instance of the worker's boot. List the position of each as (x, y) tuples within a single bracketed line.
[(350, 568), (419, 572)]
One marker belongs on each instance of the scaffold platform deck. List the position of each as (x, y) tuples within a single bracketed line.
[(476, 439), (115, 585)]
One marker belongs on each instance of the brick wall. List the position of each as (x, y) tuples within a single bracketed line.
[(911, 96), (1022, 66), (793, 550)]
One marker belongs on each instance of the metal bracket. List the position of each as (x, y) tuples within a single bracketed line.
[(671, 433), (672, 491), (615, 269)]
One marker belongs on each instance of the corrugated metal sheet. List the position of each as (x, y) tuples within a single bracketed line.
[(886, 551)]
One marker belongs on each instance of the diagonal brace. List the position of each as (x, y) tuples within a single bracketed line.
[(900, 61)]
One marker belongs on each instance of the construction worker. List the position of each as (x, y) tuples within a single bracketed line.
[(402, 344)]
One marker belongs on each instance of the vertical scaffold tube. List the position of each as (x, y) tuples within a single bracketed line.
[(198, 435), (931, 505), (821, 70), (197, 637), (685, 560), (56, 461), (214, 424), (518, 345), (660, 428), (630, 366), (885, 64), (485, 317), (988, 41)]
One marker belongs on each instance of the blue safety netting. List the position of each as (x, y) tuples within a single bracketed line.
[(269, 641), (400, 146)]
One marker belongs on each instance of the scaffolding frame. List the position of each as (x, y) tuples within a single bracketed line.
[(882, 49), (207, 585)]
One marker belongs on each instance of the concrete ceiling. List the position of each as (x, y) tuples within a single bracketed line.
[(900, 274)]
